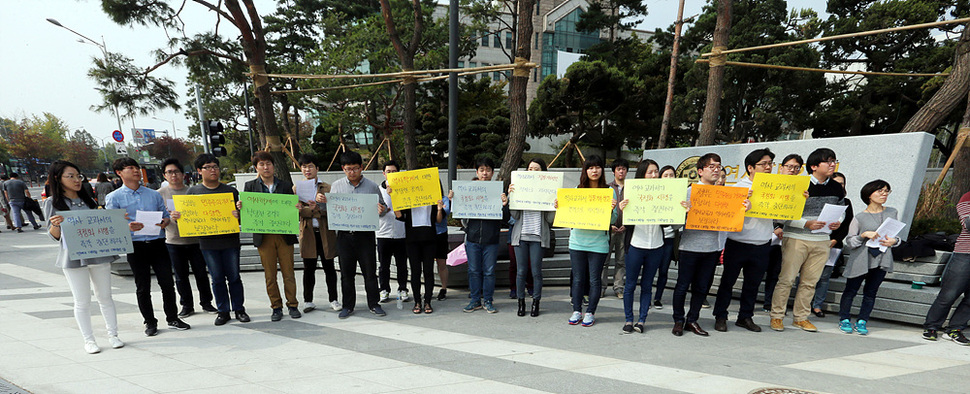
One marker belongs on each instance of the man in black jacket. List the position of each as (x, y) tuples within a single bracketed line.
[(481, 246)]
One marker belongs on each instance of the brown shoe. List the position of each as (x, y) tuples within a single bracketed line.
[(805, 325), (678, 329), (720, 325), (748, 324), (777, 325), (696, 329)]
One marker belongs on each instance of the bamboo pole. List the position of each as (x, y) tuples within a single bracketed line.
[(496, 67), (822, 70), (961, 139), (840, 36), (424, 79)]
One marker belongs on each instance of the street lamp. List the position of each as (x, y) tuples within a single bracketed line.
[(166, 120), (101, 46)]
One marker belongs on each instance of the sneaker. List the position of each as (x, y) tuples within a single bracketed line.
[(957, 337), (377, 310), (208, 308), (151, 330), (442, 294), (575, 318), (345, 313), (860, 326), (628, 328), (277, 314), (186, 311), (178, 325), (777, 325), (403, 295), (929, 335), (489, 308), (294, 312), (335, 305), (846, 326), (585, 300), (472, 306), (588, 320), (658, 305), (243, 317), (91, 347), (309, 306), (384, 296), (706, 304), (36, 226), (805, 325), (638, 327), (115, 342), (513, 295), (222, 318)]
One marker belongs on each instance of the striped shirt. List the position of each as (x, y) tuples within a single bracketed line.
[(963, 211), (532, 222)]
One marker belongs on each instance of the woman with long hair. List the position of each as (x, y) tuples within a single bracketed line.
[(645, 251), (588, 249), (531, 233), (67, 194)]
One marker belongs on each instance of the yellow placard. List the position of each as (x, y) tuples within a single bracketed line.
[(654, 201), (587, 208), (776, 196), (206, 214), (716, 208), (415, 188)]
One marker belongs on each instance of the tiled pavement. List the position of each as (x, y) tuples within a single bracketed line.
[(449, 351)]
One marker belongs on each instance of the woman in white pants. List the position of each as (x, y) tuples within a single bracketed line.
[(68, 195)]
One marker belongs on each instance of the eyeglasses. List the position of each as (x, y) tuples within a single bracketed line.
[(210, 168), (884, 191), (793, 167), (714, 167), (71, 177), (831, 162), (352, 169), (765, 164), (172, 172)]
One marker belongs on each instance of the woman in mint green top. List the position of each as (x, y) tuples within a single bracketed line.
[(588, 250)]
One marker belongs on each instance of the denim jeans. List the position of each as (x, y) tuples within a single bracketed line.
[(740, 257), (641, 266), (956, 282), (227, 287), (17, 208), (587, 268), (873, 279), (183, 257), (695, 272), (529, 255), (667, 254), (822, 287), (481, 270)]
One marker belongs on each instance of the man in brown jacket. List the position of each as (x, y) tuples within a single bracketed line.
[(316, 239)]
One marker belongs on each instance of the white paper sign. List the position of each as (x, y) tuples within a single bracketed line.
[(477, 200), (170, 204), (830, 214), (535, 190), (888, 229), (352, 212), (306, 190), (149, 219)]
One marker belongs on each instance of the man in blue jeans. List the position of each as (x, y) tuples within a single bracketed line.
[(481, 247), (956, 281), (16, 192), (221, 252)]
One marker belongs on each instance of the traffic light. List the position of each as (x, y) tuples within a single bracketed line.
[(214, 131)]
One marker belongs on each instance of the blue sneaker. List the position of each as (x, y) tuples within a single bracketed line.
[(860, 326), (489, 308), (575, 318), (472, 306), (846, 326)]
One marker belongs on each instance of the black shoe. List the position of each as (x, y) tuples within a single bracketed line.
[(295, 313), (377, 310), (151, 330), (957, 337), (638, 327), (535, 308), (678, 329), (696, 329), (720, 325), (442, 294), (521, 311), (657, 304), (178, 325), (930, 335), (628, 328), (706, 304), (19, 230), (512, 294), (820, 313), (186, 311), (243, 317), (208, 308), (345, 313), (748, 324), (277, 314), (36, 226), (222, 318)]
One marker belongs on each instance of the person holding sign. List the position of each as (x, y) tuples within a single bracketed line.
[(865, 262), (68, 195), (747, 251), (316, 239), (150, 253), (391, 244), (357, 247), (588, 250), (221, 251), (275, 250), (481, 246), (803, 252), (531, 232), (420, 233), (791, 165)]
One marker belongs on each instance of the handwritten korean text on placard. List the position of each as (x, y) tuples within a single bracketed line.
[(535, 190), (776, 196), (206, 214), (415, 188), (654, 201), (268, 213), (95, 233), (589, 209), (352, 212), (477, 200), (716, 208)]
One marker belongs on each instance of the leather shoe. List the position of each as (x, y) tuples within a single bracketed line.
[(720, 325), (243, 317), (819, 313), (277, 314), (222, 318), (748, 324), (696, 329), (678, 329)]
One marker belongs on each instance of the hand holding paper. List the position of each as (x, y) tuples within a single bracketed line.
[(889, 229), (150, 220), (830, 214)]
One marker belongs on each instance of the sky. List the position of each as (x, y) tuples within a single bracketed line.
[(45, 67)]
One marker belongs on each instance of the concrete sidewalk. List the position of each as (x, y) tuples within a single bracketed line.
[(448, 351)]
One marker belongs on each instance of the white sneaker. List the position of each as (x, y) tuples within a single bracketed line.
[(588, 320), (403, 295), (336, 305), (575, 318), (308, 306), (384, 295), (115, 342), (91, 347)]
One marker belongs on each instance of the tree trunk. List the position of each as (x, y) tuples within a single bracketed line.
[(715, 76), (518, 116), (950, 95), (960, 181), (671, 80), (406, 54)]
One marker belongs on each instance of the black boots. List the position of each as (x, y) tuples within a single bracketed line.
[(521, 307), (535, 308)]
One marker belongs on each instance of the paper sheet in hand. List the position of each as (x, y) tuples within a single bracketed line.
[(170, 204), (149, 219), (888, 229), (830, 214), (306, 190)]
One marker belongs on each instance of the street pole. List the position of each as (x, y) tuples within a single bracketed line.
[(665, 125), (198, 103), (452, 93)]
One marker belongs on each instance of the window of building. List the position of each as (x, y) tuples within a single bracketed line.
[(537, 7), (484, 38), (535, 41), (497, 41), (461, 64), (564, 38), (496, 75), (508, 40)]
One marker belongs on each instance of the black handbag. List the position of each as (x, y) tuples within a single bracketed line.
[(32, 205)]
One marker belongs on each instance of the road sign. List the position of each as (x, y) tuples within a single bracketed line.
[(121, 149), (139, 137), (149, 135), (118, 136)]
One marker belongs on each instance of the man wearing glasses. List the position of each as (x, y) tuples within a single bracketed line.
[(355, 247), (221, 252), (746, 250), (184, 251), (804, 253)]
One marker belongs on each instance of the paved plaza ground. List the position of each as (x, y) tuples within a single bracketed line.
[(41, 350)]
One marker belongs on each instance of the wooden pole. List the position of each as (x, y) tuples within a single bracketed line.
[(715, 77), (822, 70), (961, 139), (668, 104)]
